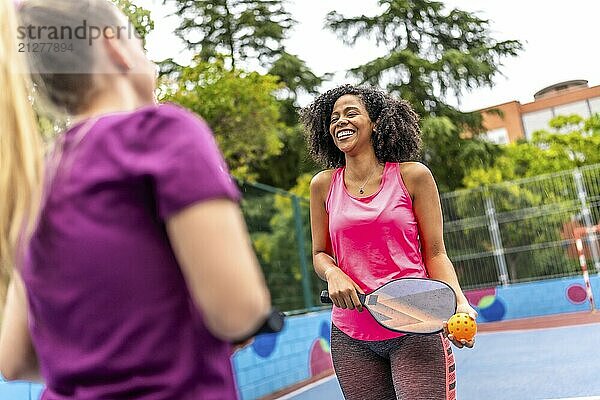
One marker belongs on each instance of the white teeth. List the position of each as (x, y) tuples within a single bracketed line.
[(344, 134)]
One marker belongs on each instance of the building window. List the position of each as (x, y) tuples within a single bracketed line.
[(536, 121), (579, 108), (595, 105), (497, 136)]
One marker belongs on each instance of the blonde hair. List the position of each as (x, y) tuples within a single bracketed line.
[(21, 154)]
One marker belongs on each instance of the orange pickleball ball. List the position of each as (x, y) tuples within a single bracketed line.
[(462, 326)]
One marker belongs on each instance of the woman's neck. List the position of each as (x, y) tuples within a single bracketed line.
[(362, 166), (113, 100)]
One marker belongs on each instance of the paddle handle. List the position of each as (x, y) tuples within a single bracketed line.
[(325, 299)]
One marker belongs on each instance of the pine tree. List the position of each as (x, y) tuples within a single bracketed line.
[(240, 29), (431, 53)]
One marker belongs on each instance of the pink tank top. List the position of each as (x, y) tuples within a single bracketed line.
[(375, 239)]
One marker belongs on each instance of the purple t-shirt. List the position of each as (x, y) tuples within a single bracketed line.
[(110, 314)]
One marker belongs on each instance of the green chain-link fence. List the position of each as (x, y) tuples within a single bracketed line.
[(500, 234), (279, 226)]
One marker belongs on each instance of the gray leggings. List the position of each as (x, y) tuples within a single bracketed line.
[(411, 367)]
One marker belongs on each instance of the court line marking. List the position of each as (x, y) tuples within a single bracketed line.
[(307, 387), (576, 398), (546, 329), (333, 376)]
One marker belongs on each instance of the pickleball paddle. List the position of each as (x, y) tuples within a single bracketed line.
[(409, 305)]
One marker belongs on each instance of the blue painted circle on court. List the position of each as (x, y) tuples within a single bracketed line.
[(325, 332), (265, 344), (495, 311)]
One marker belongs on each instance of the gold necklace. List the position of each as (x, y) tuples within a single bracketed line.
[(361, 189)]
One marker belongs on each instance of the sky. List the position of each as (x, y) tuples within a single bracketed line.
[(560, 43)]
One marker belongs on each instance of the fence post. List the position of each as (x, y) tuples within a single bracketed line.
[(584, 271), (496, 239), (306, 284), (587, 217)]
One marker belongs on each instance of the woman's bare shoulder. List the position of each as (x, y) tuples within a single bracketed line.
[(415, 171), (320, 183), (416, 176)]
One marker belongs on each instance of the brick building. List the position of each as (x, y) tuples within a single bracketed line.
[(519, 121)]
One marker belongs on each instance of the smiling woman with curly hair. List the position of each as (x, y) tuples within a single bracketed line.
[(396, 139), (375, 217)]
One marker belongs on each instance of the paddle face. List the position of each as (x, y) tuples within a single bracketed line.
[(411, 305)]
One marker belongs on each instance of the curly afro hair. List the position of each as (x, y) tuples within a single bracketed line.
[(397, 138)]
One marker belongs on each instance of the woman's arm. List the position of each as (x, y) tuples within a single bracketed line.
[(213, 248), (342, 289), (18, 360), (428, 212)]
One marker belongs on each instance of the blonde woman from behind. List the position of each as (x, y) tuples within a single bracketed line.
[(20, 185), (139, 270), (20, 147)]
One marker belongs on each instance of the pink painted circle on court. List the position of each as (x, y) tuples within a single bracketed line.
[(576, 293)]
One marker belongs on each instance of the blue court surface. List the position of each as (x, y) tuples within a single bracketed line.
[(554, 363)]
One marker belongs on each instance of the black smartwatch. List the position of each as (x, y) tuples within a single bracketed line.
[(273, 324)]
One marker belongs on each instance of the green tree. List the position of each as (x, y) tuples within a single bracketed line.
[(296, 75), (430, 53), (241, 29), (449, 156), (283, 170), (248, 30), (570, 142), (238, 106), (139, 17)]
